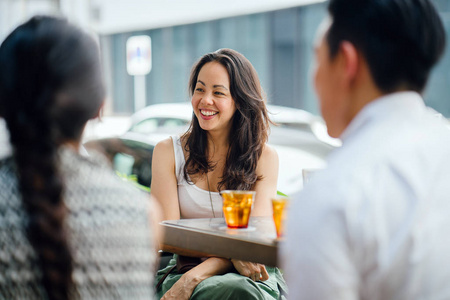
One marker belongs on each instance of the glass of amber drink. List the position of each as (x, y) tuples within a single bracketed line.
[(279, 205), (237, 206)]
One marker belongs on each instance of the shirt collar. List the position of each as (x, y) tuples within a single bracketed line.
[(395, 103)]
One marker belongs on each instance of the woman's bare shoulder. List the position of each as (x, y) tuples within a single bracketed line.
[(269, 153), (164, 147), (166, 143), (268, 159)]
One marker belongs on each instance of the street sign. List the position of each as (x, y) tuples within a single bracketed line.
[(139, 55)]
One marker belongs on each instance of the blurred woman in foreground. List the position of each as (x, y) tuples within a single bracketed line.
[(69, 228)]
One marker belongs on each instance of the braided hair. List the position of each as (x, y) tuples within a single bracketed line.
[(50, 86)]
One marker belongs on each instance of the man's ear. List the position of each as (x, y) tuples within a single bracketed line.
[(350, 60)]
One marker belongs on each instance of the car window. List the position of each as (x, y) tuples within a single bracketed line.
[(152, 124), (173, 123), (123, 163), (146, 126), (128, 157)]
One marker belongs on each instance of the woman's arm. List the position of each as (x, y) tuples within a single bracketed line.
[(164, 181), (266, 188), (183, 288)]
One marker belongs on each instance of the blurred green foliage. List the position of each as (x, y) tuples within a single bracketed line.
[(132, 179)]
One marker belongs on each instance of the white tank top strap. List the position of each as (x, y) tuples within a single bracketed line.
[(194, 202), (179, 159)]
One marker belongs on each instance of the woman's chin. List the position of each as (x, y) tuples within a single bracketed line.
[(206, 124)]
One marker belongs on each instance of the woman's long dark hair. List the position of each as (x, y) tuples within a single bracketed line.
[(249, 130), (50, 86)]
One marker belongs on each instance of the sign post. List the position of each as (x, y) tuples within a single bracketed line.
[(139, 64)]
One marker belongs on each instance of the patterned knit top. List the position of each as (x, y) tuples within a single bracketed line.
[(109, 234)]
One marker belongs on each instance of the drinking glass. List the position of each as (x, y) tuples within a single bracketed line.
[(237, 206), (279, 205)]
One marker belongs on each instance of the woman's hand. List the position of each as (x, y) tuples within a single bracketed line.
[(256, 272), (182, 289), (186, 285)]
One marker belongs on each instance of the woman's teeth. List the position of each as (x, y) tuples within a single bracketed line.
[(208, 113)]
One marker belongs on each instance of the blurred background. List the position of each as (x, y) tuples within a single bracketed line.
[(275, 35)]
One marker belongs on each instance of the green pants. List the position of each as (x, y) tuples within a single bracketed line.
[(232, 286)]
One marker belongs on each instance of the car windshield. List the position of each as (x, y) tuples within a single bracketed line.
[(151, 125)]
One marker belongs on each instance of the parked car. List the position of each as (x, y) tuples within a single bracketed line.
[(159, 116), (300, 140)]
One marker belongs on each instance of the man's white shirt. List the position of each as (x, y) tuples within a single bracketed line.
[(375, 224)]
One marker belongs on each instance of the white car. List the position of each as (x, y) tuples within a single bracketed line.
[(180, 113), (300, 129), (176, 115)]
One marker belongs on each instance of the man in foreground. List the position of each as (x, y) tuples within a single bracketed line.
[(374, 224)]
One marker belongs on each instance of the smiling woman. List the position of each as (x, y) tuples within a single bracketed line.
[(224, 148)]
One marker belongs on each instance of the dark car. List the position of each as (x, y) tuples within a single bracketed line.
[(131, 155), (128, 156)]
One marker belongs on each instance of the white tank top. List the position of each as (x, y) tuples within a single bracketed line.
[(194, 202)]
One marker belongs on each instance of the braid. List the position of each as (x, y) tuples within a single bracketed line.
[(50, 86), (34, 137), (41, 189)]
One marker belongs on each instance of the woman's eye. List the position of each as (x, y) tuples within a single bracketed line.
[(219, 93), (199, 90)]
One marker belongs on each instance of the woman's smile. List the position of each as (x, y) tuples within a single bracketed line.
[(208, 114)]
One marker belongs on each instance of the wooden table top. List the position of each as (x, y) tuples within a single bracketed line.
[(211, 237)]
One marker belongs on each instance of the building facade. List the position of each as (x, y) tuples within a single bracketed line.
[(278, 43)]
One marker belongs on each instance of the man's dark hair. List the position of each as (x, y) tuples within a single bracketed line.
[(400, 39)]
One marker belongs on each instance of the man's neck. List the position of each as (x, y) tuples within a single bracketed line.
[(360, 98)]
